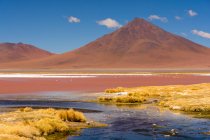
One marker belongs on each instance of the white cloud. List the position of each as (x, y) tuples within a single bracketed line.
[(109, 23), (201, 33), (178, 18), (192, 13), (156, 17), (72, 19)]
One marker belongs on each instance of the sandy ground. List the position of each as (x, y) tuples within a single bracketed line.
[(94, 84)]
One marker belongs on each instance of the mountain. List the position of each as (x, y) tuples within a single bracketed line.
[(13, 52), (139, 44)]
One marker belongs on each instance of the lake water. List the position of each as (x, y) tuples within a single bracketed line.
[(125, 122)]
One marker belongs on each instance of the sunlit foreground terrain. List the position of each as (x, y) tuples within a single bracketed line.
[(187, 98), (39, 124)]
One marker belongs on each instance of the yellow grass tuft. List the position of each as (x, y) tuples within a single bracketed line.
[(115, 90), (48, 126), (19, 130), (71, 115), (189, 98), (28, 123), (13, 137), (26, 109), (122, 99)]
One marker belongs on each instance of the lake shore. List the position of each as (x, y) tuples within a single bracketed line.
[(41, 124), (150, 120), (186, 98), (94, 83)]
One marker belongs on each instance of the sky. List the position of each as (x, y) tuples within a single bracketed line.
[(63, 25)]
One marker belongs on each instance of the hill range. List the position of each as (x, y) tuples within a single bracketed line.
[(138, 44)]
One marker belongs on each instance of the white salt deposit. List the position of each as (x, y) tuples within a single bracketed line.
[(206, 74), (122, 93), (176, 107), (22, 75), (44, 76)]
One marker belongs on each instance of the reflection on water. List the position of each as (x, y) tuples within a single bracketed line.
[(125, 122), (145, 123), (53, 96)]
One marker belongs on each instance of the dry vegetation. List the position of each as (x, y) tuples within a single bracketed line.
[(188, 98), (28, 123), (115, 90)]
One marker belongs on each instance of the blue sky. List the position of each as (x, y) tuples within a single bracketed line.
[(63, 25)]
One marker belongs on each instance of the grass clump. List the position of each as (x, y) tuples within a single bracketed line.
[(26, 109), (122, 99), (48, 126), (19, 130), (71, 115), (28, 123), (188, 98), (13, 137), (115, 90)]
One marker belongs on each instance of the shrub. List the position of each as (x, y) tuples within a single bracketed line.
[(28, 123), (105, 99), (47, 126), (188, 98), (19, 130), (12, 137), (115, 90), (26, 109), (129, 99), (71, 115)]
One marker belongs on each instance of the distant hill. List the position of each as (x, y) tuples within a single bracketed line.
[(13, 52), (139, 44)]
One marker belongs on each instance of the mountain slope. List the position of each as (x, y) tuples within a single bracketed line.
[(139, 44), (12, 52)]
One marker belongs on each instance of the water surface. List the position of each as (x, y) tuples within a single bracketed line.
[(125, 122)]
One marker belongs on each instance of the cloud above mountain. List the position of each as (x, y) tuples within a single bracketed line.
[(156, 17), (72, 19), (109, 23), (192, 13), (201, 33)]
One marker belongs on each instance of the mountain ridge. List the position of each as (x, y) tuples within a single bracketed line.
[(10, 52), (138, 44)]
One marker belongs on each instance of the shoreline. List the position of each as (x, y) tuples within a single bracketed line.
[(92, 75), (95, 84), (55, 75)]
